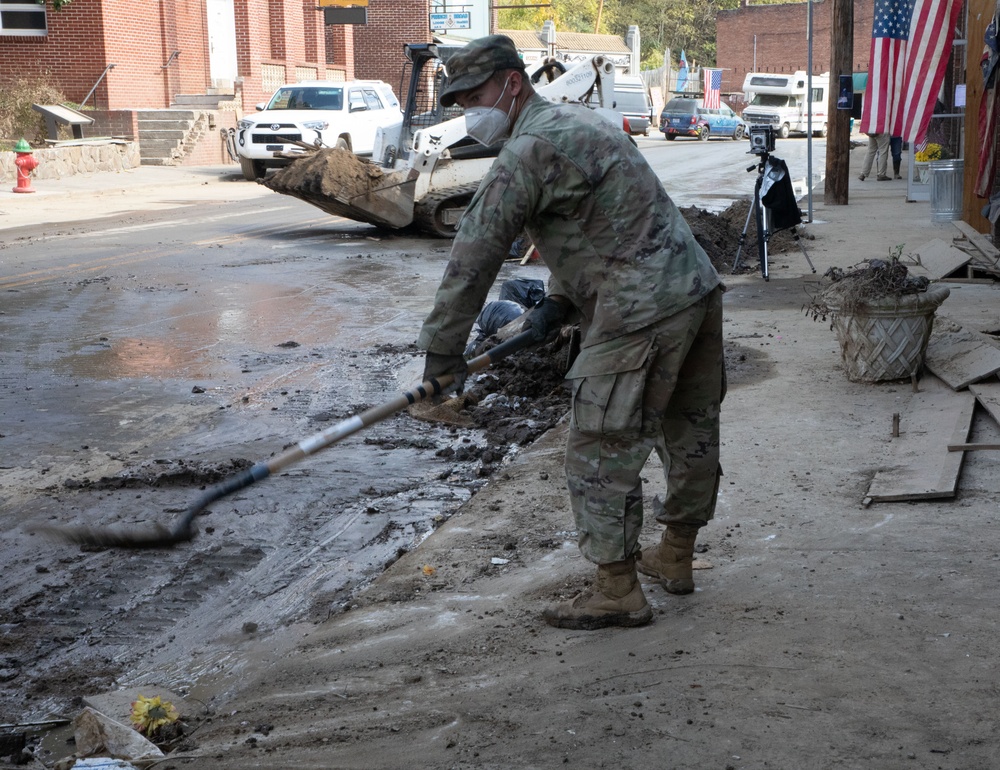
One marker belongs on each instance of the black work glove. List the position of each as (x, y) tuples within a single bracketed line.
[(545, 318), (438, 364)]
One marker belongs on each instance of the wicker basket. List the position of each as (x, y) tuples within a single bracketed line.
[(888, 339)]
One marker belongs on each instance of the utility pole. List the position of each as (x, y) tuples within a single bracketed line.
[(809, 108), (838, 139), (600, 10)]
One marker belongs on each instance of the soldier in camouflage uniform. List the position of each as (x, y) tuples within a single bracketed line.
[(650, 374)]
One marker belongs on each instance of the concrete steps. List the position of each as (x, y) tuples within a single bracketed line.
[(162, 134), (167, 136), (207, 101)]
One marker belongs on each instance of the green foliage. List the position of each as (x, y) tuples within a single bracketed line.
[(568, 15), (687, 25), (17, 118)]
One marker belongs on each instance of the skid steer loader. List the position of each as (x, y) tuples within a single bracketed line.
[(425, 169)]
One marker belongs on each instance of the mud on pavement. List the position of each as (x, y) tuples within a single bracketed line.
[(294, 549), (74, 614)]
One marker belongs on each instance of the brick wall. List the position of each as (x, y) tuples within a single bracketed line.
[(75, 35), (340, 48), (140, 37), (276, 25), (279, 33), (208, 148), (142, 76), (781, 44), (378, 45), (119, 123)]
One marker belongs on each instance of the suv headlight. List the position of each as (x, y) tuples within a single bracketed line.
[(244, 124), (316, 125)]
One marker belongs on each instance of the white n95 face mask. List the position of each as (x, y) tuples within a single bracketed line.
[(488, 125)]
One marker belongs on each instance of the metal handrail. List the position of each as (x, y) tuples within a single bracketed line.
[(91, 91), (173, 56)]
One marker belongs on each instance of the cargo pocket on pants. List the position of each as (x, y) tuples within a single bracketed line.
[(609, 381)]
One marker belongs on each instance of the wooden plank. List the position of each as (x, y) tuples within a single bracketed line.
[(988, 395), (938, 259), (920, 467), (961, 356), (980, 241), (970, 447)]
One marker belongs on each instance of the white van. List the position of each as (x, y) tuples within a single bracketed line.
[(779, 100), (632, 100)]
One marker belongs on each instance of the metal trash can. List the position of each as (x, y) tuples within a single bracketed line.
[(946, 189)]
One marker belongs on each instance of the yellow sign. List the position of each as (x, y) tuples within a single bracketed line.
[(342, 3)]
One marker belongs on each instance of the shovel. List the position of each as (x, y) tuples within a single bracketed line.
[(159, 536)]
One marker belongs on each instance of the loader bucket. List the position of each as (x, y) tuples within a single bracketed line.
[(342, 184)]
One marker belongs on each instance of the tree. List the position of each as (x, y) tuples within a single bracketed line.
[(674, 24), (568, 15)]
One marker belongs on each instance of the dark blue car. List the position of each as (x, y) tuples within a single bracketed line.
[(688, 117)]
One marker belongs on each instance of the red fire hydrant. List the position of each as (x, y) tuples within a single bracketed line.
[(25, 163)]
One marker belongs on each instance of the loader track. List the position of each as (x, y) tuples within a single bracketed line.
[(438, 213)]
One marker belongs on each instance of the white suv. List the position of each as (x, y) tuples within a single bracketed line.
[(345, 114)]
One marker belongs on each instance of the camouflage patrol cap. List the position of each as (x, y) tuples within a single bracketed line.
[(473, 65)]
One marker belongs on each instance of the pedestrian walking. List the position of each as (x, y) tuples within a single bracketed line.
[(878, 147), (896, 150)]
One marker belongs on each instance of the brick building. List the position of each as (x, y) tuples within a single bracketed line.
[(772, 38), (160, 51)]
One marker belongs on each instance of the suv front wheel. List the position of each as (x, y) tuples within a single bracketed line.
[(252, 169)]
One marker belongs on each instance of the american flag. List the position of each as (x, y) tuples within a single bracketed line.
[(713, 85), (911, 42), (988, 110)]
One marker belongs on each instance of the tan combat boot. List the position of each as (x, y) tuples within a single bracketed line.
[(670, 562), (616, 599)]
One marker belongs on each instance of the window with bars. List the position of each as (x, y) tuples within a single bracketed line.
[(22, 18)]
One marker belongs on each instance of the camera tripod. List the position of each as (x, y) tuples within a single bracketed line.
[(762, 218)]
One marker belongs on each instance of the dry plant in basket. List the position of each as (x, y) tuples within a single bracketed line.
[(871, 282), (882, 317)]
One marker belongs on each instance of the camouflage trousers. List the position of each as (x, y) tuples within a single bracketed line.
[(659, 388)]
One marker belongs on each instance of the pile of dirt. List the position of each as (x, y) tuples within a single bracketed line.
[(719, 235), (521, 397), (340, 183), (333, 173)]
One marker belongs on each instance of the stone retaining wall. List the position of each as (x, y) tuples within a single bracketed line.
[(58, 162)]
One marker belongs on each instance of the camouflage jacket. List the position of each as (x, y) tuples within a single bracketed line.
[(616, 245)]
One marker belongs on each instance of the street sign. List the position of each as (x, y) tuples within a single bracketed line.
[(441, 21), (358, 15)]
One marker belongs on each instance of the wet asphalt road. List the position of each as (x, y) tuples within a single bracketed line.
[(147, 357)]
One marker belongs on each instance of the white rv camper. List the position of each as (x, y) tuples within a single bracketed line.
[(779, 100)]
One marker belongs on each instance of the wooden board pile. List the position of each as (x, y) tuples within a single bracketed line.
[(929, 443)]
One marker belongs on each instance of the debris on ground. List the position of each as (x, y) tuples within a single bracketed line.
[(719, 235), (96, 734)]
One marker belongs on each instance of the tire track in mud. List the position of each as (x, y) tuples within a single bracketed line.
[(295, 549)]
